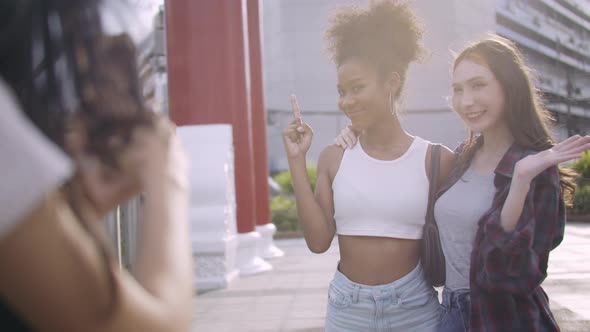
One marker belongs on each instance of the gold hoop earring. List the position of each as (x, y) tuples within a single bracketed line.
[(391, 108)]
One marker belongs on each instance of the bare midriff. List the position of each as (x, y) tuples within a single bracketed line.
[(371, 260)]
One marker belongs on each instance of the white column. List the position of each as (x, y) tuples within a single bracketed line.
[(213, 205), (249, 260), (266, 246)]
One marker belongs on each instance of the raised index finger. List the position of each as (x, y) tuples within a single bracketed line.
[(295, 107)]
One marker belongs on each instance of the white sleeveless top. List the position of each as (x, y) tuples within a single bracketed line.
[(30, 165), (386, 198)]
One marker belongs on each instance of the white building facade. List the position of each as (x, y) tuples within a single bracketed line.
[(555, 37)]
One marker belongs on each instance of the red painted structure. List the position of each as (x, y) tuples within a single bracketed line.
[(215, 76), (258, 115)]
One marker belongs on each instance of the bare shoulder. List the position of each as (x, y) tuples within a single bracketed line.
[(332, 152), (52, 243), (330, 159)]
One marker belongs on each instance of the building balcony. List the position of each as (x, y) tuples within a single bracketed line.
[(549, 52), (536, 23)]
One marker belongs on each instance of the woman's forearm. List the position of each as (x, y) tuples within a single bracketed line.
[(514, 204), (316, 229), (164, 262)]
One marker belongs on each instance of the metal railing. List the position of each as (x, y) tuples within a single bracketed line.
[(122, 225)]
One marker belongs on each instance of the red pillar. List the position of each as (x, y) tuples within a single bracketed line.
[(258, 115), (208, 81)]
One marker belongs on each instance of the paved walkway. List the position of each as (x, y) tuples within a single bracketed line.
[(293, 296)]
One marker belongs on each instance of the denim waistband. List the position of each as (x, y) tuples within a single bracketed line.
[(413, 281), (455, 298)]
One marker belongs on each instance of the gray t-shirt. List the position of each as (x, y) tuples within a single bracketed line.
[(457, 212), (30, 165)]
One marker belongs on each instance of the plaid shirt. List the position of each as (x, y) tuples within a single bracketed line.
[(507, 268)]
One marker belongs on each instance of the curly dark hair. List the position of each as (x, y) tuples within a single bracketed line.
[(386, 34), (58, 61)]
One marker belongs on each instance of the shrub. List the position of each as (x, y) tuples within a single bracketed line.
[(582, 166), (284, 213), (284, 179), (282, 207), (582, 199), (282, 202), (312, 175), (582, 196)]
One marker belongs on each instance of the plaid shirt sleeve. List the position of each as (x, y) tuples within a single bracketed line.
[(516, 261)]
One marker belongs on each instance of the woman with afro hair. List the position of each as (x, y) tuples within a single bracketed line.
[(373, 197)]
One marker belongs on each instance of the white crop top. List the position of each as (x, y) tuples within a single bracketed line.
[(30, 165), (385, 198)]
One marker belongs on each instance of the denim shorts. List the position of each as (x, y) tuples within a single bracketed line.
[(454, 315), (407, 304)]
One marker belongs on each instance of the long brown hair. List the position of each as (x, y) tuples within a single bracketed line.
[(525, 113)]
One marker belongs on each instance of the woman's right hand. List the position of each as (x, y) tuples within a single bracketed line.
[(151, 159), (347, 138), (155, 156), (297, 136)]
